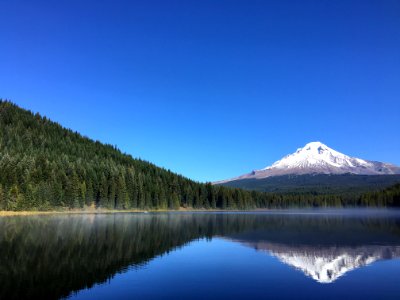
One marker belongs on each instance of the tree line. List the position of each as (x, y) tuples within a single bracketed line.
[(45, 166), (386, 197)]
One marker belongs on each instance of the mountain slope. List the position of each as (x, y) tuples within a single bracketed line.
[(347, 185)]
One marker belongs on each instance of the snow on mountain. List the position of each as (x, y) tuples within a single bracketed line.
[(317, 158)]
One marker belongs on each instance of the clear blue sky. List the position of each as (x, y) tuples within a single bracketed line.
[(210, 89)]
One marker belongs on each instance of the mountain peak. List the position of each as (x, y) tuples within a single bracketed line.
[(316, 155), (315, 146), (315, 149)]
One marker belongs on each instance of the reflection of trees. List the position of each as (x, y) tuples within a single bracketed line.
[(48, 257), (52, 256)]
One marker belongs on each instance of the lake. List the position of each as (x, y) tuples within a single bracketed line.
[(303, 254)]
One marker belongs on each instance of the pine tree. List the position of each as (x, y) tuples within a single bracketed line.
[(73, 190), (12, 198), (82, 196), (103, 192), (131, 187), (122, 198), (89, 194), (141, 197), (112, 191), (2, 200)]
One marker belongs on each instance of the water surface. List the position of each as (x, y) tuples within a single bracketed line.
[(285, 254)]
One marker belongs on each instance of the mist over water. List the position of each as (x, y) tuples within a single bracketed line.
[(317, 253)]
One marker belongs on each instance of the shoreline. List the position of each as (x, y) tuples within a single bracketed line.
[(6, 213)]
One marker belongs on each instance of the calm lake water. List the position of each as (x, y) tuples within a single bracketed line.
[(288, 254)]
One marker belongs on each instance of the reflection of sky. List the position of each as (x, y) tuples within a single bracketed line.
[(221, 268)]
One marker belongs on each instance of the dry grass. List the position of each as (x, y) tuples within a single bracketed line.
[(92, 210), (96, 211)]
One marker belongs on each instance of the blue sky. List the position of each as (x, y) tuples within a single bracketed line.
[(210, 89)]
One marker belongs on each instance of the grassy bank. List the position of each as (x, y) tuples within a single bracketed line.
[(4, 213)]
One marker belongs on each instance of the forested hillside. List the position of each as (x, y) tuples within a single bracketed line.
[(348, 186), (44, 166), (387, 197)]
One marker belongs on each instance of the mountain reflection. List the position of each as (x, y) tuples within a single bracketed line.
[(325, 265), (326, 247), (52, 256)]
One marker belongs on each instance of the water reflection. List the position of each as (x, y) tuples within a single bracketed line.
[(52, 256), (326, 246), (325, 265)]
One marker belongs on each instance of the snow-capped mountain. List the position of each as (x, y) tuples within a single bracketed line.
[(317, 158)]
